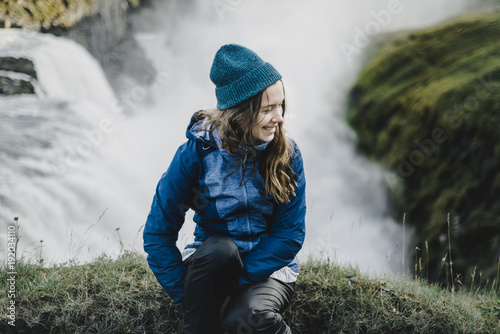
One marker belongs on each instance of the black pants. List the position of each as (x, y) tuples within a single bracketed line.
[(212, 305)]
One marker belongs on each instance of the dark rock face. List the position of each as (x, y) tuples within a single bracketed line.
[(10, 86), (10, 80), (427, 108), (21, 65), (106, 35)]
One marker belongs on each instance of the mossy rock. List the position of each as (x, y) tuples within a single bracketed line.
[(42, 15), (47, 15), (428, 107)]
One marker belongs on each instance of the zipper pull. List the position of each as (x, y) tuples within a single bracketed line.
[(245, 156)]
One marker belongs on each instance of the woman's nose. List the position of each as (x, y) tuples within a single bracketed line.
[(277, 115)]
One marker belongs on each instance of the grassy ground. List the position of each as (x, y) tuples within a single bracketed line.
[(122, 296)]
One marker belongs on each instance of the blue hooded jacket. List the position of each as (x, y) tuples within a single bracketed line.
[(227, 194)]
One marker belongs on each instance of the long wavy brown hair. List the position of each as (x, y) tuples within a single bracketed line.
[(235, 129)]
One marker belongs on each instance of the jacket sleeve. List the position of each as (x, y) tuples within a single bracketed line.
[(174, 196), (287, 233)]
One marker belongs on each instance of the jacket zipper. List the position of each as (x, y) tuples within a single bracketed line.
[(243, 184)]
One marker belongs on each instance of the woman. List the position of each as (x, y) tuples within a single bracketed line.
[(244, 178)]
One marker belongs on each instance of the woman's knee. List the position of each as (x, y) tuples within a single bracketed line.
[(252, 320), (217, 252), (257, 309), (247, 318)]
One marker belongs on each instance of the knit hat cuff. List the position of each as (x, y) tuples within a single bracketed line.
[(247, 86)]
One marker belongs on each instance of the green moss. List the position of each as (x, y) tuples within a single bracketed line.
[(427, 108), (134, 3), (44, 14)]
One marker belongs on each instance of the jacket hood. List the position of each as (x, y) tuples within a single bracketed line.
[(198, 132)]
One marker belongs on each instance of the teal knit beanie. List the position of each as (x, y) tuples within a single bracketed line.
[(238, 74)]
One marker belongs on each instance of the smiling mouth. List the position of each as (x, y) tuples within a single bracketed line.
[(271, 129)]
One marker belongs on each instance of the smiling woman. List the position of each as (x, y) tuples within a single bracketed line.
[(244, 178), (271, 113)]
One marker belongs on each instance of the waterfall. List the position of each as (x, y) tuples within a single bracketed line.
[(318, 48), (52, 149)]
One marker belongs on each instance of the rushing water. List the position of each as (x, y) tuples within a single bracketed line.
[(76, 165)]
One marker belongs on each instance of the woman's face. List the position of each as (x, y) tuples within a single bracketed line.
[(270, 113)]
